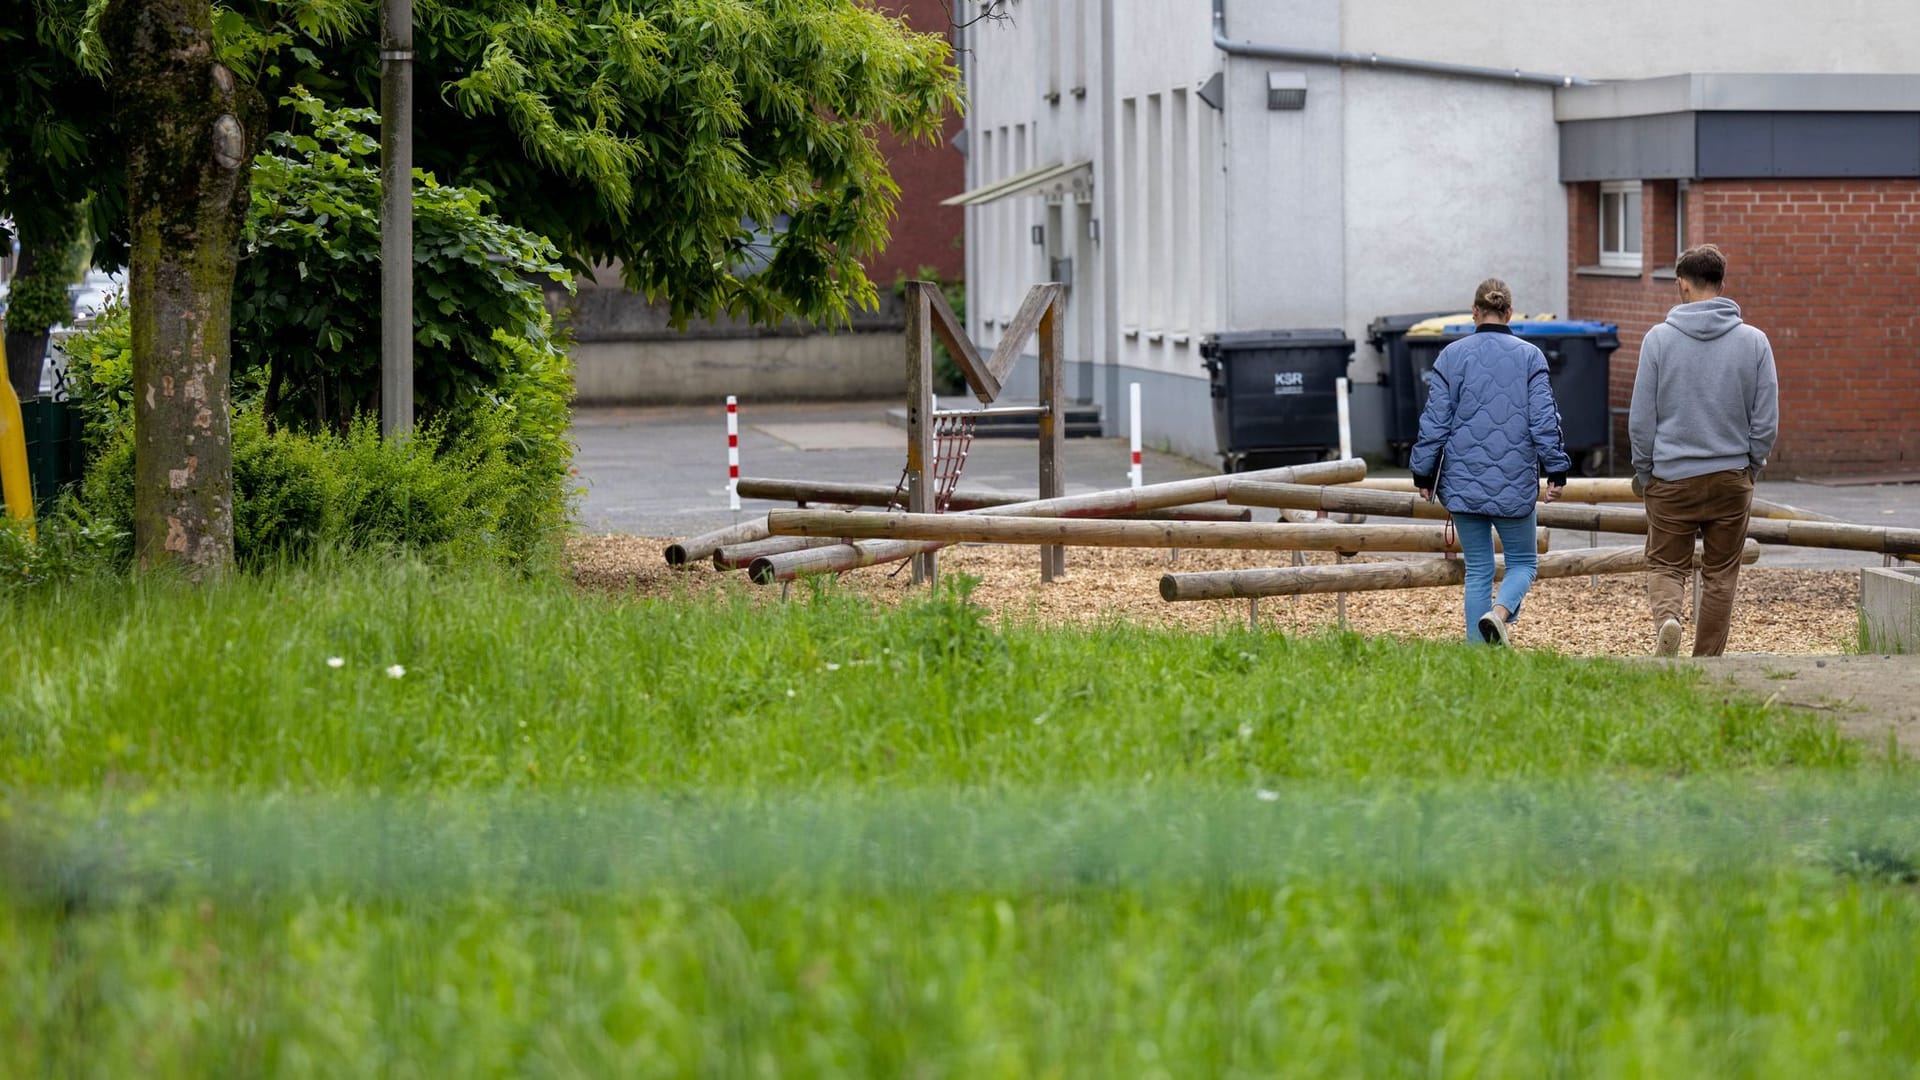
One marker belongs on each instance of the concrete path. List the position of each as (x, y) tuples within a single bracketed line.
[(663, 471)]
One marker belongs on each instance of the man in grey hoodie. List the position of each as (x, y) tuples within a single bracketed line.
[(1706, 408)]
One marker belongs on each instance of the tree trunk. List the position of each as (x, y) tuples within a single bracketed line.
[(190, 133)]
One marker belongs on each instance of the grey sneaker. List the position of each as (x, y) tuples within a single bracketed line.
[(1668, 643), (1492, 630)]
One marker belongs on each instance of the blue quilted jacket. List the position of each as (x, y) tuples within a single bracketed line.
[(1490, 426)]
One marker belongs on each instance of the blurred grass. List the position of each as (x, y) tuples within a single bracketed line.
[(579, 835)]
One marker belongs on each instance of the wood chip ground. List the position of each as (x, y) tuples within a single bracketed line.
[(1785, 612)]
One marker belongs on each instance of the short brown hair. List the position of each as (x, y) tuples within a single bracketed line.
[(1493, 295), (1703, 265)]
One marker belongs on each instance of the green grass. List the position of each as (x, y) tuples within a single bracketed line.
[(530, 685), (585, 836)]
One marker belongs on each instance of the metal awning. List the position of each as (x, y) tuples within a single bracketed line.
[(1075, 179)]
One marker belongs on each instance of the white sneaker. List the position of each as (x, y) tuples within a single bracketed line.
[(1492, 630), (1668, 643)]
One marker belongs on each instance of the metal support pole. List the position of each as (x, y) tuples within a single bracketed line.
[(396, 217)]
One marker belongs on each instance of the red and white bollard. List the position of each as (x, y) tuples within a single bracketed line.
[(1133, 413), (733, 453)]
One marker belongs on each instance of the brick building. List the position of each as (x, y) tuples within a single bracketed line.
[(1811, 184), (925, 234)]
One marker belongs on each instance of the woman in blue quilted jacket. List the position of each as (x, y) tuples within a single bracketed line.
[(1489, 430)]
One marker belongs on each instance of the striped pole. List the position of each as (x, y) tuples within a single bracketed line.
[(1133, 412), (733, 453)]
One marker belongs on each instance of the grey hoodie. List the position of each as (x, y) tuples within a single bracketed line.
[(1706, 398)]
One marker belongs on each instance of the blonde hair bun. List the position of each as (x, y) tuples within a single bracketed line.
[(1493, 295)]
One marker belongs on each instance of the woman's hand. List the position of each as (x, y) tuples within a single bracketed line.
[(1426, 494), (1554, 491)]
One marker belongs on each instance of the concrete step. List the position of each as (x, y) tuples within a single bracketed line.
[(1083, 421)]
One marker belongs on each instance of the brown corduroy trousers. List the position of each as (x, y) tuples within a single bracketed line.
[(1714, 508)]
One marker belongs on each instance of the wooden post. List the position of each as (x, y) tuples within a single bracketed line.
[(1053, 424), (920, 415)]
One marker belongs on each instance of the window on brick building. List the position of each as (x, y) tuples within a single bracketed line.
[(1620, 224)]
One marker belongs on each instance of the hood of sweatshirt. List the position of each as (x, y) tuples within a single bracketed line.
[(1704, 320)]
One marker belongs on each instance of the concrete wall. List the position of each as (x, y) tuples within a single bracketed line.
[(705, 371), (627, 353), (1890, 609), (1633, 39)]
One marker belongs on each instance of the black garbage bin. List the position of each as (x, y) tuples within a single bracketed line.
[(1388, 335), (1578, 358), (1273, 394), (56, 458)]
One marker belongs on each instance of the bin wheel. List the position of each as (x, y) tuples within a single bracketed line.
[(1594, 462)]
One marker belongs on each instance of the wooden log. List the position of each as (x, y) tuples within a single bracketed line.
[(1096, 504), (699, 547), (1839, 536), (1777, 511), (827, 493), (1410, 574), (1579, 489), (740, 556), (981, 528)]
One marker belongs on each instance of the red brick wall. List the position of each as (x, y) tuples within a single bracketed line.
[(1830, 269), (924, 232)]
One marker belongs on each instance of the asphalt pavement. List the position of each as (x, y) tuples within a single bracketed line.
[(663, 471)]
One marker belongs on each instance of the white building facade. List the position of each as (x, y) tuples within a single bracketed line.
[(1223, 165)]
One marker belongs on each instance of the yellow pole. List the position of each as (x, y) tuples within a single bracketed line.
[(15, 483)]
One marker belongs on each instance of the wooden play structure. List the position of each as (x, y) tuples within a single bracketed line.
[(1324, 506)]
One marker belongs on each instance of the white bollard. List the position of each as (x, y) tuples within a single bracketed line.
[(1346, 421), (1133, 412), (733, 453)]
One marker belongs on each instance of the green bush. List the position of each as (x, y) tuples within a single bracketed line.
[(70, 543), (297, 493), (306, 312)]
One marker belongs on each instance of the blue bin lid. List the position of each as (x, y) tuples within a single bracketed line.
[(1556, 328)]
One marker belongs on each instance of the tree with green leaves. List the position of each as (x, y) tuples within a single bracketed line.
[(53, 121), (664, 136)]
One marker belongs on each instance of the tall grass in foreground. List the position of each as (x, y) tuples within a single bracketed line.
[(391, 676), (377, 819)]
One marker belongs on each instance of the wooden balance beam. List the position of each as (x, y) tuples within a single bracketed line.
[(1412, 574), (1815, 534), (1098, 504), (988, 529)]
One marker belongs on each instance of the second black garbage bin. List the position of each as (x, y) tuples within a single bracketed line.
[(1273, 394), (1388, 334), (1578, 358)]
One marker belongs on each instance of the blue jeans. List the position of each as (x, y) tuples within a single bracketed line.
[(1476, 546)]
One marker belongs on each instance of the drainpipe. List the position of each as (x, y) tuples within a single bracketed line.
[(1105, 248), (1374, 60)]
